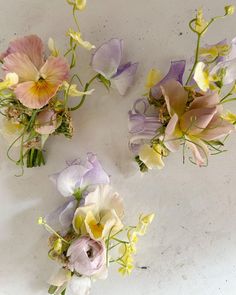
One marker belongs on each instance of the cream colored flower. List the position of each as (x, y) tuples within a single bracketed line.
[(77, 37), (152, 157), (52, 47), (153, 77), (200, 23), (102, 214), (11, 130), (11, 79), (74, 92)]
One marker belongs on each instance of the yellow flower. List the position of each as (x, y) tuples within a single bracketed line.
[(152, 157), (80, 4), (153, 77), (52, 47), (126, 270), (215, 51), (229, 10), (76, 36), (144, 222), (200, 23), (203, 78), (230, 117), (11, 79), (73, 91)]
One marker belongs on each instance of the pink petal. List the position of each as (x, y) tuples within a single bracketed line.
[(217, 129), (20, 64), (32, 46), (175, 96), (195, 121), (34, 96), (205, 101), (55, 70), (46, 122), (172, 138), (200, 152)]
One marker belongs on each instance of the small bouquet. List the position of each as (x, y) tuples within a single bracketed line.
[(36, 87), (190, 115), (88, 232)]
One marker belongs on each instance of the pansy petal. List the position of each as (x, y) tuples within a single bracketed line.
[(70, 179), (176, 72), (31, 45), (95, 175), (55, 70), (78, 286), (195, 121), (124, 77), (217, 129), (35, 95), (175, 96), (107, 58), (20, 64)]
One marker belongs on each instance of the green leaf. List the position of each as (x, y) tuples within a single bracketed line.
[(52, 289), (104, 81)]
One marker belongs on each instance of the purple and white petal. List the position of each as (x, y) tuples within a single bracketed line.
[(124, 77), (61, 218), (107, 58), (70, 179), (96, 174), (176, 72)]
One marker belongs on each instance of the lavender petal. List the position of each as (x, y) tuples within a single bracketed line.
[(176, 72)]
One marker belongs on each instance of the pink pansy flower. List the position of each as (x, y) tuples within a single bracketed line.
[(86, 256), (197, 124), (39, 79)]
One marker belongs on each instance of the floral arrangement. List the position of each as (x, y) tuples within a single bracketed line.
[(88, 232), (175, 114), (36, 87)]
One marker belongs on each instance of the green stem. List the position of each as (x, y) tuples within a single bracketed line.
[(196, 58), (87, 85)]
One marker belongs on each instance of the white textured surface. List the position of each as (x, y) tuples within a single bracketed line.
[(191, 247)]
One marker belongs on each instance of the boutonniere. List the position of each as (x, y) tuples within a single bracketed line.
[(37, 88), (88, 233), (187, 114)]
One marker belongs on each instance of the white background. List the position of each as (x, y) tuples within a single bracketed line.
[(191, 246)]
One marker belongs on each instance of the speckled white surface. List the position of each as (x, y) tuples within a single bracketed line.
[(191, 247)]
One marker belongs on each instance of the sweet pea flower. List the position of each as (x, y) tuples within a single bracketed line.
[(74, 285), (77, 37), (86, 256), (176, 72), (152, 157), (39, 79), (101, 214), (107, 61), (143, 125), (46, 122), (80, 176), (199, 123)]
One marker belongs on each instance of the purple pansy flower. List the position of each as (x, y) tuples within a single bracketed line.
[(107, 60), (176, 72), (142, 125)]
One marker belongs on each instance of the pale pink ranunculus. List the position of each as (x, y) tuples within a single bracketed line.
[(86, 256), (198, 123), (46, 122), (39, 79)]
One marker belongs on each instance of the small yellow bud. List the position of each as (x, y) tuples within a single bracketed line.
[(229, 10), (41, 220)]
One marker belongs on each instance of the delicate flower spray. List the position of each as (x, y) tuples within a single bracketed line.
[(35, 89), (188, 115), (88, 232)]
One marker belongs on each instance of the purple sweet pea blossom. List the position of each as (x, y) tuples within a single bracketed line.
[(81, 176), (176, 72), (107, 60), (142, 126)]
